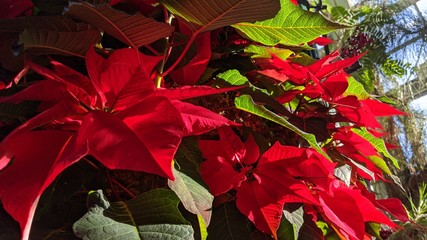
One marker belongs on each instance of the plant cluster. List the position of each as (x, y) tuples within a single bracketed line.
[(256, 139)]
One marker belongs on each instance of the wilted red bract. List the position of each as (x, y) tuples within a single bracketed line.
[(115, 116)]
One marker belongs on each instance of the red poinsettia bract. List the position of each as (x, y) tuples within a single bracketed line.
[(116, 115), (262, 183)]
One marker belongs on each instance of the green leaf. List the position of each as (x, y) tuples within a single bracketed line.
[(378, 143), (207, 15), (233, 77), (296, 220), (380, 163), (62, 43), (355, 88), (195, 197), (344, 173), (245, 102), (152, 215), (134, 30), (373, 229), (290, 26), (265, 52), (203, 228), (228, 224)]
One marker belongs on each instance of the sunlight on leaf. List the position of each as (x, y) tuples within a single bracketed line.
[(265, 52), (212, 14), (356, 89), (291, 25), (378, 143), (245, 102)]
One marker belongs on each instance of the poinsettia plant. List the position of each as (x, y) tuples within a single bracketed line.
[(215, 98)]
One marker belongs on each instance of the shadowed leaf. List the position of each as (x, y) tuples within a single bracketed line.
[(245, 102), (63, 43), (134, 30), (152, 215), (48, 23)]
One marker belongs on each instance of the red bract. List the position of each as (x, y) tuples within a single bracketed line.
[(281, 175), (115, 116), (349, 210)]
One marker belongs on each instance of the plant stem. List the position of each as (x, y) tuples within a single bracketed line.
[(166, 53)]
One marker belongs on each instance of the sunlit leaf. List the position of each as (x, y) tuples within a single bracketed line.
[(208, 15), (265, 52), (62, 43), (245, 102), (291, 25), (378, 143), (152, 215), (356, 89), (195, 197), (134, 30)]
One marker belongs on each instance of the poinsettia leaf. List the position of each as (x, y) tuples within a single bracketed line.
[(228, 224), (135, 30), (380, 163), (382, 109), (344, 173), (395, 207), (363, 168), (245, 102), (51, 6), (199, 120), (47, 23), (195, 197), (187, 92), (309, 230), (191, 72), (152, 215), (296, 219), (356, 89), (378, 143), (34, 155), (38, 41), (256, 203), (209, 15), (233, 77), (256, 51), (116, 145), (291, 26)]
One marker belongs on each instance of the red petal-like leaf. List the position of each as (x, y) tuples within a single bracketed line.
[(190, 73), (74, 89), (199, 120), (252, 151), (255, 203), (33, 169), (395, 207), (13, 8), (331, 68), (123, 77), (322, 41), (218, 173), (57, 112), (115, 144), (335, 85), (381, 109)]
